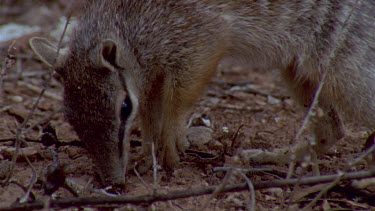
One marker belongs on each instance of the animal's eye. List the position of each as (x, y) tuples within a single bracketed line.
[(126, 108)]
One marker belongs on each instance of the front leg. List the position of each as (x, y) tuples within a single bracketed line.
[(151, 114), (164, 125), (173, 137), (180, 95)]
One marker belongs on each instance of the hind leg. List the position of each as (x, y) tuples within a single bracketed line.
[(327, 129), (327, 126)]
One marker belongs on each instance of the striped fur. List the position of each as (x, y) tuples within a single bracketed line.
[(167, 51)]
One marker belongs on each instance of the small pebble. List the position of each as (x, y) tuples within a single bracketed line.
[(273, 101), (199, 135), (17, 99), (225, 129)]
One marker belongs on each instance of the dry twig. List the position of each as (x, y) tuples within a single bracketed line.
[(44, 119), (154, 166), (19, 136), (219, 189), (8, 62), (233, 141), (251, 188), (34, 179), (140, 178), (37, 89), (148, 199)]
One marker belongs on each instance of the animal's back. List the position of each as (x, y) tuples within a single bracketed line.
[(268, 34), (305, 38)]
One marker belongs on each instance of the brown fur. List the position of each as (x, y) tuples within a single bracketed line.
[(163, 53)]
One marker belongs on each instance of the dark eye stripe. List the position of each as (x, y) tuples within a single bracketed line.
[(126, 108)]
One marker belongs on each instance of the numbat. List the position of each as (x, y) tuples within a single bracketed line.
[(151, 59)]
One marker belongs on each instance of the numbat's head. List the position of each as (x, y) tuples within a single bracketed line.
[(98, 98)]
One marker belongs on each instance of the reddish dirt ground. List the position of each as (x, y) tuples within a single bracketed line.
[(263, 117)]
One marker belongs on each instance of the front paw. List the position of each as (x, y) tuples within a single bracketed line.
[(169, 157)]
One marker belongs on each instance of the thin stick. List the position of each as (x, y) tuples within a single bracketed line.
[(324, 191), (369, 151), (252, 190), (219, 188), (9, 57), (340, 175), (233, 141), (294, 188), (38, 90), (34, 179), (19, 72), (14, 181), (154, 165), (148, 199), (29, 73), (80, 188), (42, 120), (232, 107), (18, 55), (19, 136), (252, 170), (140, 178)]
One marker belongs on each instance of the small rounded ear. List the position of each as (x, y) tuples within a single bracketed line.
[(109, 54), (46, 51)]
